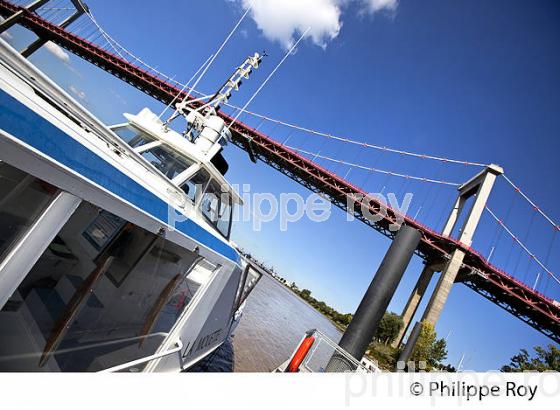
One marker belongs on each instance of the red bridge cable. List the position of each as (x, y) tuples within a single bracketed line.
[(523, 246), (381, 171), (535, 207)]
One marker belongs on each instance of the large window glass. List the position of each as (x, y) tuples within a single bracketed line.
[(195, 186), (133, 137), (216, 207), (103, 293), (23, 198), (167, 161)]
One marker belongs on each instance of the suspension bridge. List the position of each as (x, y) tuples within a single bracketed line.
[(71, 25)]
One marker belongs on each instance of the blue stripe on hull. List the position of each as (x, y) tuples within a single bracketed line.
[(26, 125)]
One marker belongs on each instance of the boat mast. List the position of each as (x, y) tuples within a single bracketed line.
[(205, 115)]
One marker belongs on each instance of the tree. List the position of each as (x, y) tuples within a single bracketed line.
[(389, 328), (305, 293), (438, 353), (546, 359), (346, 319), (429, 349)]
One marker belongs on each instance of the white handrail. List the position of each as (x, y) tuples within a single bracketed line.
[(177, 348)]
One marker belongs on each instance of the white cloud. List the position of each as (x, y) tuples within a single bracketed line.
[(58, 52), (6, 35), (377, 5), (79, 93), (282, 20), (285, 20)]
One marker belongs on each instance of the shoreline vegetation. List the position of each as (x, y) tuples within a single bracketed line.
[(429, 349)]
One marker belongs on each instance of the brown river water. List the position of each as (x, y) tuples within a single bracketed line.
[(274, 321)]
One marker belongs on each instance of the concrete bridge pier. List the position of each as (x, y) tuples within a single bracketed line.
[(13, 19), (479, 188), (413, 301), (80, 6)]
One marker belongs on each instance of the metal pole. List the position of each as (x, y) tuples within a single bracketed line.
[(364, 324)]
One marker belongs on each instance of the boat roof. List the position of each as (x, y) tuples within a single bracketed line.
[(149, 123)]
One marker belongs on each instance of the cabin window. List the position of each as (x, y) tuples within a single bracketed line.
[(23, 198), (216, 207), (195, 186), (166, 161), (133, 137), (105, 292)]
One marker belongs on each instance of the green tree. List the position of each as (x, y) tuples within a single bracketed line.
[(545, 359), (305, 293), (429, 349), (389, 328), (438, 353), (346, 319)]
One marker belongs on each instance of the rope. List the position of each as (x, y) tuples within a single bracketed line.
[(217, 52), (268, 78), (381, 171), (532, 255), (185, 86)]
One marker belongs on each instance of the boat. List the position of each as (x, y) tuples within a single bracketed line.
[(115, 249)]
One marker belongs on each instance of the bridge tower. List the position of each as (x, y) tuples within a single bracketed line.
[(478, 188), (80, 6)]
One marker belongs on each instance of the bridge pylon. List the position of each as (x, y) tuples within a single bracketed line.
[(479, 187), (80, 6)]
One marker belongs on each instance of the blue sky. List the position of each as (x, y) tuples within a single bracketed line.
[(473, 80)]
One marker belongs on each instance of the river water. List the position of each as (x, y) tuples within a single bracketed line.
[(274, 321)]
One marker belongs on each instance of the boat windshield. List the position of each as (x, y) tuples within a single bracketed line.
[(166, 160), (133, 137)]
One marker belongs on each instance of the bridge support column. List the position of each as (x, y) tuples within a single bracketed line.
[(443, 287), (478, 187), (13, 19), (402, 362), (413, 302), (30, 49), (364, 324)]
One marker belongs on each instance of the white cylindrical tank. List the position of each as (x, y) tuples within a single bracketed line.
[(213, 127)]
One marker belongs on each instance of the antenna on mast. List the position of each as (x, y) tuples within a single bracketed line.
[(205, 128), (197, 116)]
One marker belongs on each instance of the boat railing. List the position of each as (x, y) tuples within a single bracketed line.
[(178, 347), (317, 353)]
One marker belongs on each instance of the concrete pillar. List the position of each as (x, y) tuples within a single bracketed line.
[(30, 49), (443, 287), (478, 187), (413, 302), (365, 321), (14, 18)]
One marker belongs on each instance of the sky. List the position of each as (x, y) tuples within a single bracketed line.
[(472, 80)]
